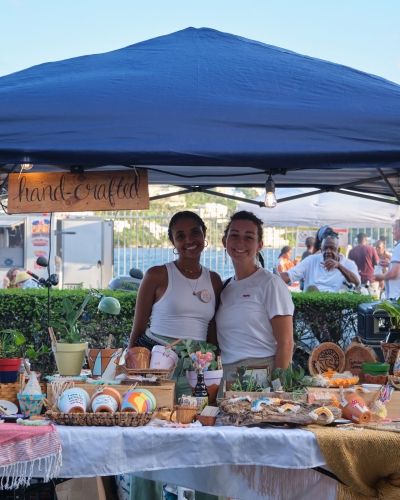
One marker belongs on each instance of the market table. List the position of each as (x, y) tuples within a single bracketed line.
[(240, 462)]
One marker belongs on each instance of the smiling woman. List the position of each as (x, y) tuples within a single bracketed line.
[(254, 320)]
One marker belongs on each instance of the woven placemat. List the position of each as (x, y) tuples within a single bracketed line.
[(366, 460)]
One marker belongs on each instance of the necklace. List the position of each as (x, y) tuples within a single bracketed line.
[(188, 270), (193, 289)]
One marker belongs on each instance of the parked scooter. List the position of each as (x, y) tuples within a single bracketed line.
[(127, 283)]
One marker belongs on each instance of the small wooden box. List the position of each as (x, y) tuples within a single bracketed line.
[(164, 393), (9, 391), (280, 395), (393, 406)]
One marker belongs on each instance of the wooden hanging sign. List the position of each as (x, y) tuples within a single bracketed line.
[(74, 192)]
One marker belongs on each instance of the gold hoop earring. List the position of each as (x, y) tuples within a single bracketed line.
[(173, 251), (205, 243)]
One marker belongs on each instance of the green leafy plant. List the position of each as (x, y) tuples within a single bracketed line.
[(246, 383), (186, 347), (68, 326), (392, 309), (13, 345), (292, 379)]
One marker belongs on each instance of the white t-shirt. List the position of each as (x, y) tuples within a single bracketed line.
[(314, 274), (392, 287), (243, 319)]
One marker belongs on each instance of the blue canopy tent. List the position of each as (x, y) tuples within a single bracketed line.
[(200, 108)]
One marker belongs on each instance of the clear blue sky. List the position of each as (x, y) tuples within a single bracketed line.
[(364, 34)]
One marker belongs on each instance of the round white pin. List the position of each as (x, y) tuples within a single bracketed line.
[(205, 296)]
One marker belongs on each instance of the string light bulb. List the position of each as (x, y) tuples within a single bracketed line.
[(270, 198), (26, 166)]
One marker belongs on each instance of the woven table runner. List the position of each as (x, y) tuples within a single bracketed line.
[(22, 447), (367, 461)]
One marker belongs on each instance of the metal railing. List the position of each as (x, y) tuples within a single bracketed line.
[(141, 241)]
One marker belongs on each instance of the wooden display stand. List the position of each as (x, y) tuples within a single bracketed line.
[(393, 406), (165, 393)]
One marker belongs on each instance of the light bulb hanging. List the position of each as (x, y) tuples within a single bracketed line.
[(270, 198)]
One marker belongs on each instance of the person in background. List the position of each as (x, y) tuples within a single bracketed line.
[(392, 275), (325, 272), (25, 281), (310, 242), (254, 320), (284, 263), (366, 258), (10, 277), (319, 236), (383, 254)]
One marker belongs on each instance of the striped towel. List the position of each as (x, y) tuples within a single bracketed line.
[(21, 448)]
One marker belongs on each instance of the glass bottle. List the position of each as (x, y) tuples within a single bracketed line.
[(200, 392)]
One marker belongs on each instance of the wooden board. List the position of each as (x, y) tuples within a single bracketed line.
[(356, 354), (280, 395), (67, 192), (164, 393), (326, 356), (392, 407)]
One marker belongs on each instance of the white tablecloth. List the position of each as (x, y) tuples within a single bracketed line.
[(242, 462)]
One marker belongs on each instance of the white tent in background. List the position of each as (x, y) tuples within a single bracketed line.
[(334, 209)]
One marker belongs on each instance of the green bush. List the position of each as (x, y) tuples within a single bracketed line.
[(318, 317), (326, 317), (26, 311)]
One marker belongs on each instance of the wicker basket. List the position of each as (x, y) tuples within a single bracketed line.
[(9, 392), (163, 374), (126, 419), (393, 347), (184, 414), (206, 420)]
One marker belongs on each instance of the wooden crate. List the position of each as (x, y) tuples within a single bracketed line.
[(280, 395), (9, 391), (165, 393), (393, 406)]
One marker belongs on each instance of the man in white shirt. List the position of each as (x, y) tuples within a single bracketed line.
[(327, 271), (392, 275)]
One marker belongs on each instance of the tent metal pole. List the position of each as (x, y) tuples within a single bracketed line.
[(230, 197), (169, 195), (388, 184), (374, 198), (303, 195)]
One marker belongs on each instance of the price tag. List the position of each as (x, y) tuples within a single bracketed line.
[(277, 384)]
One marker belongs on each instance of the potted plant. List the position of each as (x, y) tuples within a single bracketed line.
[(70, 347), (12, 351), (189, 348)]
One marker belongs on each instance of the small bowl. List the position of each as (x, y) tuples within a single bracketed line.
[(371, 387), (206, 420)]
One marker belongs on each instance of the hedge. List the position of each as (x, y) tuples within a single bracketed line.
[(318, 317), (26, 311)]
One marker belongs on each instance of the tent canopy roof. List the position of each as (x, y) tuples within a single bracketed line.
[(203, 108)]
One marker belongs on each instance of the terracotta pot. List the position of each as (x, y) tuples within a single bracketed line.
[(138, 357), (212, 379), (354, 408), (103, 362), (106, 400)]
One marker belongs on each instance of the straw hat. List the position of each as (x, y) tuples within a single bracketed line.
[(23, 276)]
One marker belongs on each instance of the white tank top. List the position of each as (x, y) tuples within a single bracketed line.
[(179, 313)]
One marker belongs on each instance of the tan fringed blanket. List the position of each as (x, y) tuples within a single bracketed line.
[(367, 461)]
